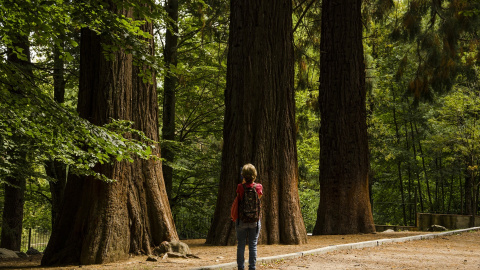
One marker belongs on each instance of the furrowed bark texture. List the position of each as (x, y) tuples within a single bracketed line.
[(103, 222), (260, 121), (344, 162)]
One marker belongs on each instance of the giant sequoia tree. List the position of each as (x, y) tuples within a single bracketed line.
[(344, 160), (260, 121), (102, 222)]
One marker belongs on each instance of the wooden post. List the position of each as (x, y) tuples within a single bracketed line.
[(29, 237)]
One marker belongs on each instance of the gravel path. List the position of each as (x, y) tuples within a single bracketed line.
[(446, 252)]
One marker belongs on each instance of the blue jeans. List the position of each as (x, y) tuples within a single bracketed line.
[(252, 230)]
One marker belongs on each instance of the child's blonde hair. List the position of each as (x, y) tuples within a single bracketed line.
[(249, 172)]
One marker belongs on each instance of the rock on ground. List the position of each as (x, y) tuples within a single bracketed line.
[(7, 254)]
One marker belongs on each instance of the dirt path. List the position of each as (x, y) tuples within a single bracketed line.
[(447, 252)]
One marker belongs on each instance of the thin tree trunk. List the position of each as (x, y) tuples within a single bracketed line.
[(399, 166), (58, 76), (169, 88), (103, 222), (436, 205), (419, 186), (427, 182), (450, 198), (460, 185), (475, 205), (468, 191), (410, 180), (344, 162), (259, 126), (400, 180), (442, 184), (416, 208), (473, 186), (55, 169), (12, 219)]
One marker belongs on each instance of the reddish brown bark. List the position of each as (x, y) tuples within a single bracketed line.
[(344, 162), (260, 121), (103, 222)]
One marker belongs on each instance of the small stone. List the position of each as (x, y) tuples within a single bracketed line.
[(176, 255), (437, 228), (21, 254), (6, 253), (151, 259), (32, 251)]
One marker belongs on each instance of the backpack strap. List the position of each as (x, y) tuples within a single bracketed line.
[(245, 188)]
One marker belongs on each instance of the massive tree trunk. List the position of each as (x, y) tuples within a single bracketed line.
[(12, 219), (169, 87), (260, 121), (102, 222), (344, 162)]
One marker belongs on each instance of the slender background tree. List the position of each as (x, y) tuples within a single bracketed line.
[(18, 55), (169, 89)]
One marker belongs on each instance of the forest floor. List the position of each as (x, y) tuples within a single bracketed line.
[(445, 252)]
